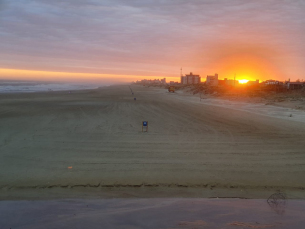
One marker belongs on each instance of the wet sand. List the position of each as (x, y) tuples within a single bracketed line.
[(152, 213), (56, 142)]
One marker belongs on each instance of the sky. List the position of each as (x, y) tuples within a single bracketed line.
[(126, 40)]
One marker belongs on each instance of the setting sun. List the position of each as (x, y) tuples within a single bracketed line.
[(243, 81)]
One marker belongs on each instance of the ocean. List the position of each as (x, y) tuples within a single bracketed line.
[(10, 86)]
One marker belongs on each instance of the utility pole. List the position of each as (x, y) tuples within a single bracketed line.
[(234, 79)]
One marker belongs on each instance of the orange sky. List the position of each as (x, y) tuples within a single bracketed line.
[(17, 74), (122, 41)]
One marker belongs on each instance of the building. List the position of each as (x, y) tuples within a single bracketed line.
[(231, 82), (183, 80), (152, 82), (212, 80), (250, 83), (295, 85), (190, 79), (173, 83), (227, 82), (273, 85), (272, 82)]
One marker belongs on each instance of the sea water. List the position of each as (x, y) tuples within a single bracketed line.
[(38, 86)]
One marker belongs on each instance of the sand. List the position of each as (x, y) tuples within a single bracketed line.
[(92, 140)]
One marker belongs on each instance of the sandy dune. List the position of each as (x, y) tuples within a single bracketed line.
[(189, 144)]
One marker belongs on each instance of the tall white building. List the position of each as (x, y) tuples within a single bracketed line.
[(212, 80), (190, 79)]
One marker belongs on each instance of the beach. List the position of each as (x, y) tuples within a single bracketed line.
[(90, 143)]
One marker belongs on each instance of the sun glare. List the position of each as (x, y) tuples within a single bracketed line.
[(243, 81)]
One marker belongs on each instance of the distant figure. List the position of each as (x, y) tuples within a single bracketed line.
[(135, 99), (132, 92)]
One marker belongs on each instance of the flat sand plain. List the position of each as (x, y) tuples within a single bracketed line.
[(93, 139)]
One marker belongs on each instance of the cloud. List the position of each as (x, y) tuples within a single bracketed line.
[(145, 36)]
